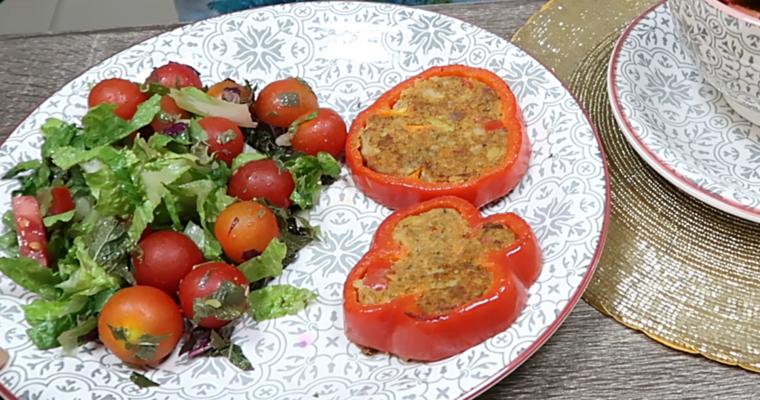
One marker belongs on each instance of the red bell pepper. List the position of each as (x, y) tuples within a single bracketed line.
[(401, 191), (30, 230), (62, 201), (399, 327)]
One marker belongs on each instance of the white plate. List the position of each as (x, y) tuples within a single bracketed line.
[(678, 123), (350, 53)]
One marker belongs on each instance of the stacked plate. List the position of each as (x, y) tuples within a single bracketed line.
[(676, 104)]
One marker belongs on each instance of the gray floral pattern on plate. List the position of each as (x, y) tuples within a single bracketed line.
[(679, 123), (724, 48), (350, 53)]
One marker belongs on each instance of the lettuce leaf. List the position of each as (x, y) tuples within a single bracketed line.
[(65, 322), (103, 127), (45, 335), (52, 220), (267, 264), (307, 173), (32, 276), (9, 241), (205, 240), (198, 102), (69, 339), (245, 158), (277, 301), (33, 176), (59, 134), (40, 310)]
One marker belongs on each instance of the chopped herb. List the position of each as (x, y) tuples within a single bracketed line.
[(226, 303), (289, 99), (146, 346), (141, 381), (226, 136)]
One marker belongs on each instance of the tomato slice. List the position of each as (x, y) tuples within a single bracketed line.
[(32, 238), (62, 201)]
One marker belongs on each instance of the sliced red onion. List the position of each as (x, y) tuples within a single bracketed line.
[(249, 254), (174, 130), (231, 94)]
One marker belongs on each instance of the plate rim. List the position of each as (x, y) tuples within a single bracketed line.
[(501, 374), (663, 169)]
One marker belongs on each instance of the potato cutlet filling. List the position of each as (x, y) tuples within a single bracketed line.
[(442, 129), (444, 261)]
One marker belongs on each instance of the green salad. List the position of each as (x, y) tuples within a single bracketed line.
[(160, 220)]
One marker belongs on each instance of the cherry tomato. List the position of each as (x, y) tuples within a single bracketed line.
[(325, 132), (224, 138), (176, 75), (282, 102), (245, 229), (165, 259), (262, 179), (32, 237), (125, 94), (140, 324), (206, 280), (229, 90), (170, 108), (62, 201)]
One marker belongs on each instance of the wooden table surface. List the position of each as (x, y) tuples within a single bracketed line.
[(590, 357)]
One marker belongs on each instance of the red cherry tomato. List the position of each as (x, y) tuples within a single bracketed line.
[(326, 132), (165, 259), (125, 94), (262, 179), (204, 281), (62, 201), (134, 312), (282, 102), (170, 108), (245, 229), (175, 75), (224, 138), (32, 237)]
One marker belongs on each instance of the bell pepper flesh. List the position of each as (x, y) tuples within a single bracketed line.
[(401, 191), (399, 327)]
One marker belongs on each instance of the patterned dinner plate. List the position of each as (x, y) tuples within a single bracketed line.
[(680, 124), (350, 53)]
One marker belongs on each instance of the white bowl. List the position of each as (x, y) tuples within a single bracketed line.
[(724, 43)]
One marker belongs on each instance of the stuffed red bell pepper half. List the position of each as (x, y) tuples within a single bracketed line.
[(450, 131), (439, 278)]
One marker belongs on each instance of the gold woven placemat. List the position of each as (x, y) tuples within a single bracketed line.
[(682, 272)]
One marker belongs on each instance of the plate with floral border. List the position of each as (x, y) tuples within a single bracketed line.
[(680, 124), (350, 53)]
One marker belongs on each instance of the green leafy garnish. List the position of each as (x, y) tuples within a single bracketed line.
[(109, 246)]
